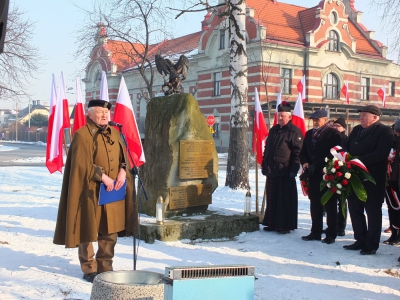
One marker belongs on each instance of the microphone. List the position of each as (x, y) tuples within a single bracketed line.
[(111, 123)]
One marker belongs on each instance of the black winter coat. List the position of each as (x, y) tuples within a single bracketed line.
[(281, 154), (315, 157), (372, 148)]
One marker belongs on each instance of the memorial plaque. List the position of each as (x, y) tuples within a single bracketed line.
[(189, 196), (196, 159)]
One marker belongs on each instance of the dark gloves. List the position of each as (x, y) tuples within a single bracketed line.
[(292, 174)]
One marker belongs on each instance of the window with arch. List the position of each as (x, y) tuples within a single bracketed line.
[(333, 18), (331, 86), (333, 41)]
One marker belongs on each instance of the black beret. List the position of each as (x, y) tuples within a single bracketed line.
[(373, 109), (284, 107), (100, 103), (341, 122)]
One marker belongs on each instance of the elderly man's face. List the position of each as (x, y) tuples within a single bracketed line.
[(284, 118), (367, 119), (338, 127), (317, 123), (99, 115)]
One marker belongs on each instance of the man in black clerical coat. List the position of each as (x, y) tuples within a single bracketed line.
[(316, 147), (370, 142), (281, 164)]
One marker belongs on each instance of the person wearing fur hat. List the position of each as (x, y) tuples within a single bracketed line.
[(281, 164), (96, 156)]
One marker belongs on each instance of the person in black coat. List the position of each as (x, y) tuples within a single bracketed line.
[(316, 147), (370, 142), (340, 125), (280, 164)]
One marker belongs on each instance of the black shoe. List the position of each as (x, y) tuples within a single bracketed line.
[(367, 251), (268, 229), (311, 237), (396, 240), (355, 246), (341, 232), (283, 231), (90, 276), (390, 239), (328, 240)]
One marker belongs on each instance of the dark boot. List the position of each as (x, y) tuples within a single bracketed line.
[(396, 240), (392, 237)]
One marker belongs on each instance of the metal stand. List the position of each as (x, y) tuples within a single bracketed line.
[(135, 172)]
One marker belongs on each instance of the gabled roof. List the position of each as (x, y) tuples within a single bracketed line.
[(290, 23)]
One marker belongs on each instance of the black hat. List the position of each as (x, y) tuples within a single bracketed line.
[(341, 122), (100, 103), (373, 109), (284, 107), (320, 113)]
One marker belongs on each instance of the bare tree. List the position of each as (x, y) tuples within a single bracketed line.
[(137, 24), (20, 60), (390, 12)]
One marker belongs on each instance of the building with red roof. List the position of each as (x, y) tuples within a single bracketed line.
[(327, 43)]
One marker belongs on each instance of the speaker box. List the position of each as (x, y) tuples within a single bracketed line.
[(3, 21)]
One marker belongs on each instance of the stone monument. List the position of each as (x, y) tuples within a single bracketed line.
[(181, 158)]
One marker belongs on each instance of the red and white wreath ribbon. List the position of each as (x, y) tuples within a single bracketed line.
[(344, 157)]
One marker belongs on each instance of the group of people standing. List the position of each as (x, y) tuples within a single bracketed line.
[(371, 142)]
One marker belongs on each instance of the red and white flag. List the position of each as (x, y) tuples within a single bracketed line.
[(62, 94), (301, 87), (298, 115), (51, 166), (79, 111), (278, 101), (260, 130), (55, 143), (345, 91), (104, 90), (382, 95), (123, 114)]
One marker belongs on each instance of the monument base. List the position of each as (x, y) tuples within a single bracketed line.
[(211, 225)]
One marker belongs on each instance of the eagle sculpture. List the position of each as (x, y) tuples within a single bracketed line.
[(177, 73)]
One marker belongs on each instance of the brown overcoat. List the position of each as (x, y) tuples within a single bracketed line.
[(80, 218)]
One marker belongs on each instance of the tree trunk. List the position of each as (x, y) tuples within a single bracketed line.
[(237, 173)]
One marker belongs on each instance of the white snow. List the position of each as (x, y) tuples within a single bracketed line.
[(32, 267)]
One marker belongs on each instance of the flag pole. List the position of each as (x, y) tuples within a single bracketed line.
[(256, 176)]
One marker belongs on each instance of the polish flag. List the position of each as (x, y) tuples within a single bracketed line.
[(51, 166), (79, 112), (123, 114), (278, 101), (260, 130), (382, 95), (104, 90), (55, 143), (345, 91), (298, 115), (301, 87), (62, 94)]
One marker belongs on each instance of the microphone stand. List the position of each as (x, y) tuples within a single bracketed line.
[(135, 172)]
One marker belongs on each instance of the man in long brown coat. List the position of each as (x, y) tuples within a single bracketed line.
[(96, 155)]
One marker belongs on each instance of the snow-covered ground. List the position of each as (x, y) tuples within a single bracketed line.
[(31, 267)]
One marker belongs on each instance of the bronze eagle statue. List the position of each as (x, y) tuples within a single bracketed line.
[(177, 73)]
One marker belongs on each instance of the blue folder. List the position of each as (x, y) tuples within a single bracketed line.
[(113, 196)]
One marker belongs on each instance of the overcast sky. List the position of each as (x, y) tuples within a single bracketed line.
[(57, 20)]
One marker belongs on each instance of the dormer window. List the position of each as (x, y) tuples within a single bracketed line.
[(333, 18), (333, 41)]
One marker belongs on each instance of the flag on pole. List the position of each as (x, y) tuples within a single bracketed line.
[(66, 123), (278, 101), (55, 143), (382, 95), (298, 115), (260, 130), (79, 111), (51, 166), (345, 91), (123, 114), (301, 88), (104, 90)]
